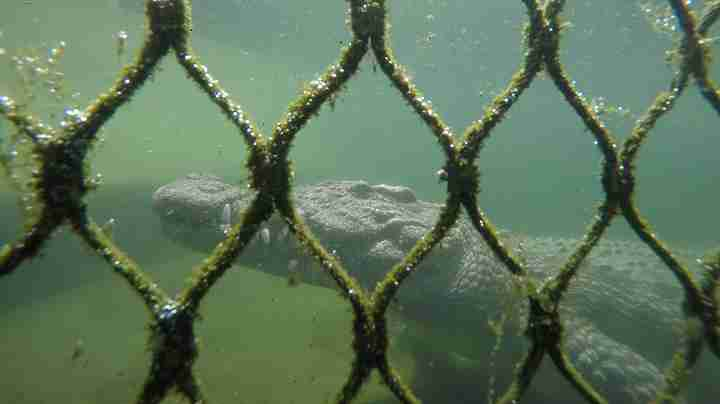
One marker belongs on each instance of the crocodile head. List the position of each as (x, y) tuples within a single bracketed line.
[(369, 228)]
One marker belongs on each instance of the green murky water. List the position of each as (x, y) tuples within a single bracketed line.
[(72, 332)]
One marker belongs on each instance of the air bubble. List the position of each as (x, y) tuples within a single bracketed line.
[(6, 103), (74, 115), (96, 180), (168, 311)]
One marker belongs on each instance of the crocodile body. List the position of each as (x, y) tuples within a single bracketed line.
[(623, 298)]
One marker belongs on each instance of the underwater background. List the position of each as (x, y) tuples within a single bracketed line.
[(74, 332)]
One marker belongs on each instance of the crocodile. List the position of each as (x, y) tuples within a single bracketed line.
[(621, 312)]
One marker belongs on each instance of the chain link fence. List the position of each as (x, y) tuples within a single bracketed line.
[(60, 183)]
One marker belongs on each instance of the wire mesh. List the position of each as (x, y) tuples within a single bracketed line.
[(61, 182)]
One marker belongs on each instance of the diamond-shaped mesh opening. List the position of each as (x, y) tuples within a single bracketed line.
[(679, 216), (262, 332), (72, 328), (445, 44), (593, 33), (124, 201), (61, 183), (350, 130), (557, 198)]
